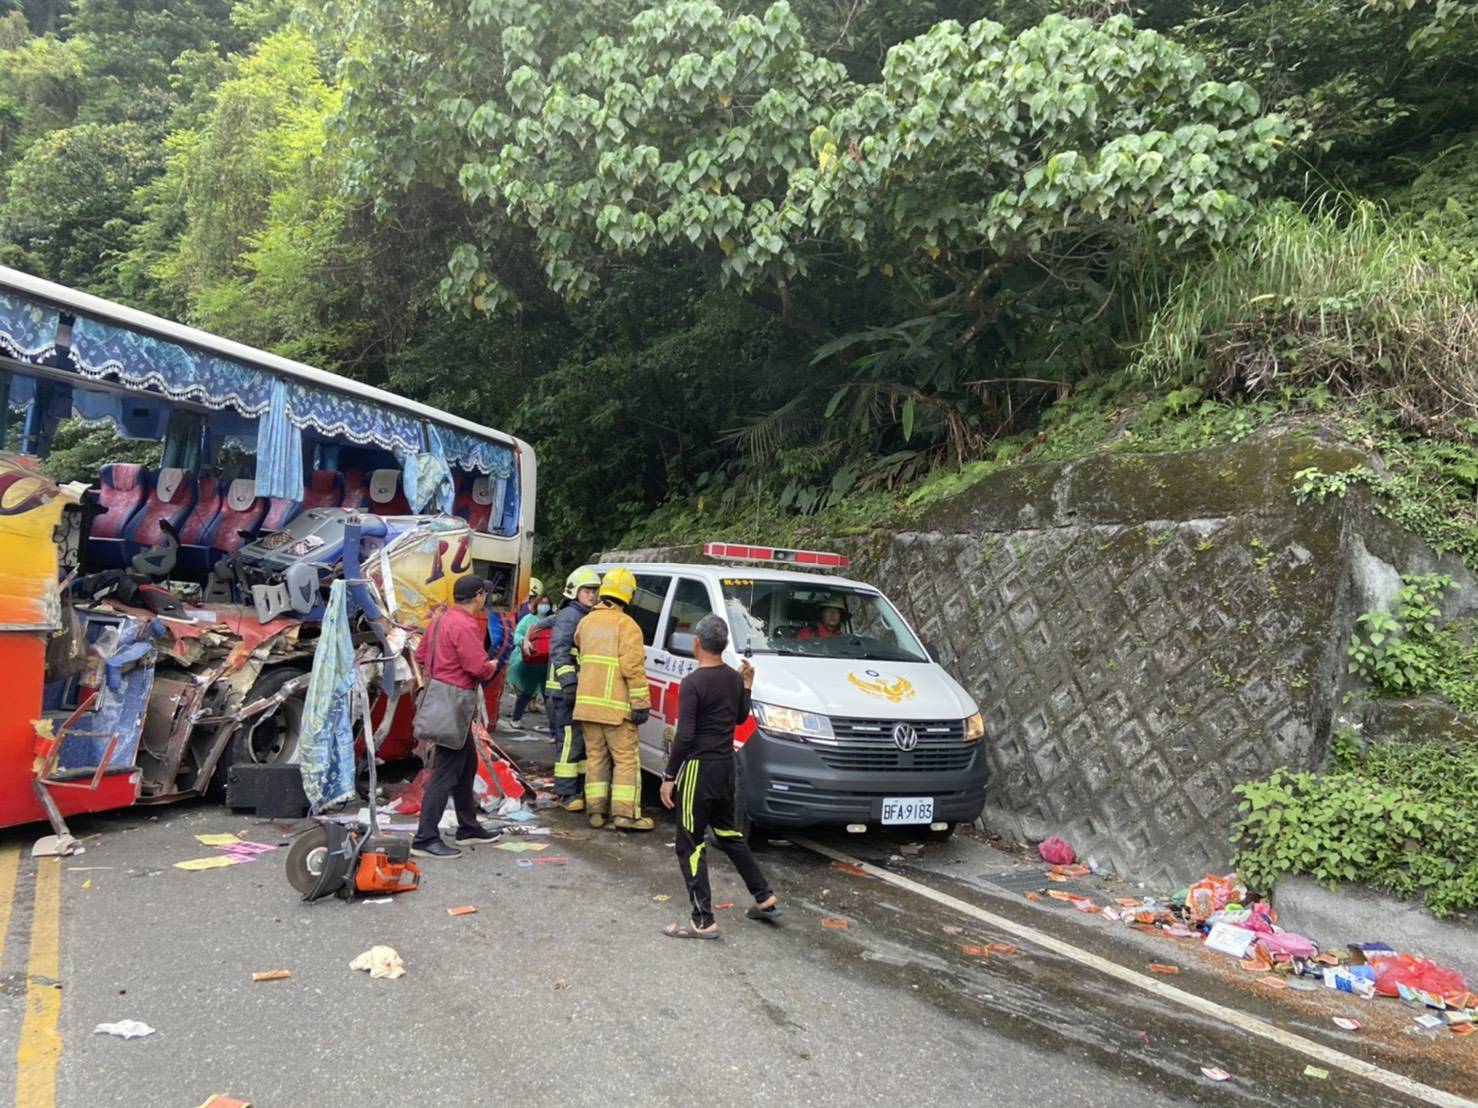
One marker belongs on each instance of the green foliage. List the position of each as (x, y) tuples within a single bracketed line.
[(74, 221), (248, 218), (79, 450), (1404, 818), (1398, 655), (1428, 487), (1340, 298)]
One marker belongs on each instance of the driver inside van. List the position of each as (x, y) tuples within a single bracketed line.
[(833, 612)]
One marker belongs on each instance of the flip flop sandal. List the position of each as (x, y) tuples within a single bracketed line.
[(678, 931), (773, 912)]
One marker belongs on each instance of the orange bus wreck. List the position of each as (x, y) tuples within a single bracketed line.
[(158, 623)]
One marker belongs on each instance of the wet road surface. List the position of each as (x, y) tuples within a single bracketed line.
[(560, 989)]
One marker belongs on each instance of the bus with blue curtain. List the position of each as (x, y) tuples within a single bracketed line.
[(158, 618)]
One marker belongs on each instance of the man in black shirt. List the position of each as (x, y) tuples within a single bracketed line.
[(713, 700)]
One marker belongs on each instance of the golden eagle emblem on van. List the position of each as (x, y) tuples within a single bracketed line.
[(895, 689)]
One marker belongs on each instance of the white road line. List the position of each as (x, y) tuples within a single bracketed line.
[(1251, 1024)]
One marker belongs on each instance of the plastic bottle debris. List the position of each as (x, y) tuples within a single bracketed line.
[(124, 1029)]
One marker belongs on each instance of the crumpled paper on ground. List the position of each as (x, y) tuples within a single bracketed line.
[(381, 961), (124, 1029)]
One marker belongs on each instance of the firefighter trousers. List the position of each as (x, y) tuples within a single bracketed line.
[(569, 744), (612, 769), (705, 802)]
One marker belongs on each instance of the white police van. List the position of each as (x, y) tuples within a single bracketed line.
[(854, 723)]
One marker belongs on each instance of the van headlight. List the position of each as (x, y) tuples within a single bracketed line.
[(789, 721), (975, 728)]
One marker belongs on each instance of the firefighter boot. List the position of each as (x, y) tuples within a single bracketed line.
[(636, 823)]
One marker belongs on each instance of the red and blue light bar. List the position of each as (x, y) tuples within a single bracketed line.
[(775, 555)]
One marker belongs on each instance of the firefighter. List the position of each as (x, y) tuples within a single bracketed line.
[(611, 702), (581, 587)]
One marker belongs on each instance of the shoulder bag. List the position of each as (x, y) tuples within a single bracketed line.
[(443, 711)]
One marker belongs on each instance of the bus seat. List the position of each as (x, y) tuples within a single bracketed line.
[(123, 487), (196, 555), (243, 510), (385, 497), (280, 513), (171, 500), (356, 492), (475, 503), (325, 490)]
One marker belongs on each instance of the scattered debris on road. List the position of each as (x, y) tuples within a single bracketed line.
[(124, 1029), (272, 975), (380, 961), (462, 910)]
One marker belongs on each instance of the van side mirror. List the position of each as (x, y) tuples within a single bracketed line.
[(681, 642)]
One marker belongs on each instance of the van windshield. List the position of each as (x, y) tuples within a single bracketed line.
[(820, 620)]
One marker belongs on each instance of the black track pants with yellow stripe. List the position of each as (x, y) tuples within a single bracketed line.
[(705, 801)]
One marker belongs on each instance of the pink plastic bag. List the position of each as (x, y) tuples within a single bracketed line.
[(1056, 852), (1286, 942), (1416, 973)]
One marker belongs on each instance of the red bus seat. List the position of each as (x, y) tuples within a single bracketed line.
[(242, 510), (280, 513), (170, 500), (356, 492), (474, 503), (385, 497), (123, 486), (325, 490), (196, 555)]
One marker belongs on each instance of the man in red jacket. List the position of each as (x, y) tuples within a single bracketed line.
[(461, 659)]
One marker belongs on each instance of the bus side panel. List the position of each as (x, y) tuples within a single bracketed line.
[(22, 660), (30, 608)]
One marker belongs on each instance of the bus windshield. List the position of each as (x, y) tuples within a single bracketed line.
[(820, 620)]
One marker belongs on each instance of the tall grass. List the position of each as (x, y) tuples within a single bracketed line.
[(1339, 295)]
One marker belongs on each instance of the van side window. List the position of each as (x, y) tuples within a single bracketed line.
[(690, 603), (646, 605)]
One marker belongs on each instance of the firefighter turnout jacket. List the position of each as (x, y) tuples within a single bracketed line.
[(613, 666), (563, 660)]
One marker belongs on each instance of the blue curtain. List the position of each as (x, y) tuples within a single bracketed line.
[(279, 450), (326, 753)]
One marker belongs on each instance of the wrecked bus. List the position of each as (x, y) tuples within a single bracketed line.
[(158, 622)]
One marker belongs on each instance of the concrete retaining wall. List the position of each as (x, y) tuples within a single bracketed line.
[(1143, 632)]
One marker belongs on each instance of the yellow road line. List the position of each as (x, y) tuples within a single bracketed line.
[(10, 862), (41, 1042)]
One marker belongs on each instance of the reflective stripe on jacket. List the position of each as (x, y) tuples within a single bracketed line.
[(613, 666), (562, 660)]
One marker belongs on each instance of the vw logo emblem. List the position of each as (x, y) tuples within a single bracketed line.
[(904, 736)]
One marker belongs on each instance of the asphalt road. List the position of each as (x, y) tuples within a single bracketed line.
[(561, 990)]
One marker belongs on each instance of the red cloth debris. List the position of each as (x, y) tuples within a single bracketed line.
[(1416, 973), (1056, 852)]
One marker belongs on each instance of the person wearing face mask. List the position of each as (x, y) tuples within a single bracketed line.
[(526, 673)]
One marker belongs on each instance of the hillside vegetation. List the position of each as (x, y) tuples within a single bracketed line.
[(748, 263)]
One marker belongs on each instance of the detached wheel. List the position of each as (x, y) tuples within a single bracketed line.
[(271, 739), (306, 859)]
